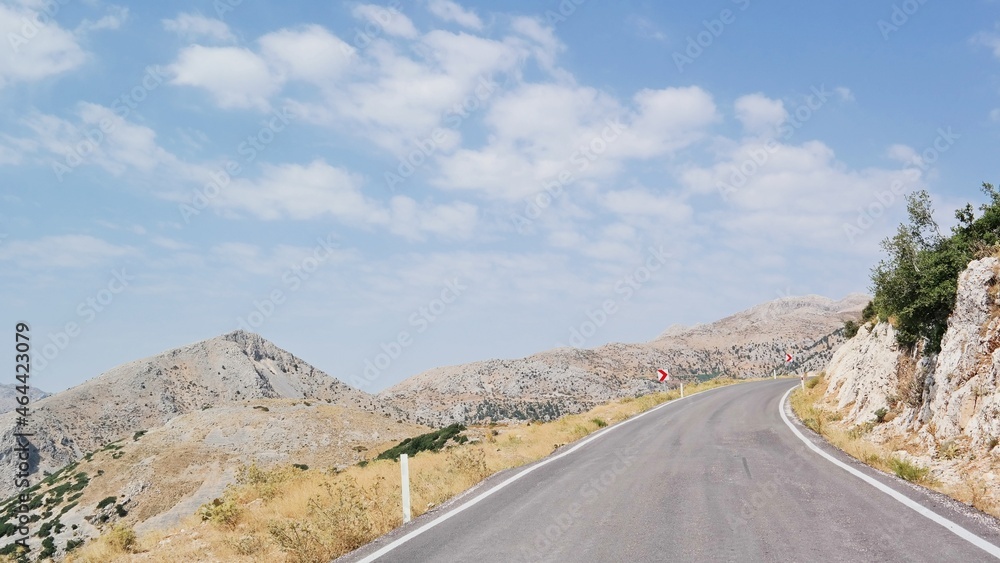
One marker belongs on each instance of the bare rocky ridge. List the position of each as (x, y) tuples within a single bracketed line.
[(231, 369), (569, 380), (9, 395)]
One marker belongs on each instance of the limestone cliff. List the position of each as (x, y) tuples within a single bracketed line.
[(951, 396)]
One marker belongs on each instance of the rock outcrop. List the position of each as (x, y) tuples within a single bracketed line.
[(954, 395)]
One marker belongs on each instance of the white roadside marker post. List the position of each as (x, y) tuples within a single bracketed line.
[(404, 468), (802, 378), (682, 389)]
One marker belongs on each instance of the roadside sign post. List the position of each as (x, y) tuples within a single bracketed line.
[(682, 389), (802, 379), (404, 469)]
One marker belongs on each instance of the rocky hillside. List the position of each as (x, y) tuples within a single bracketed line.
[(568, 380), (952, 397), (233, 369), (151, 480)]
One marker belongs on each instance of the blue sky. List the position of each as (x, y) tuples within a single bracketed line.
[(385, 188)]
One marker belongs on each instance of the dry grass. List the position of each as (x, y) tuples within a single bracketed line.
[(288, 515), (972, 489)]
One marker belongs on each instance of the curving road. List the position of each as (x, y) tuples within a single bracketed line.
[(717, 476)]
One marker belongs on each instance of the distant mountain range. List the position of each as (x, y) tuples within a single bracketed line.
[(9, 395), (566, 380)]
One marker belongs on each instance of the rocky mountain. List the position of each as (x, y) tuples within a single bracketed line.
[(9, 395), (568, 380), (233, 369)]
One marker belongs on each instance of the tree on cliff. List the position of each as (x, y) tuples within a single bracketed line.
[(915, 285)]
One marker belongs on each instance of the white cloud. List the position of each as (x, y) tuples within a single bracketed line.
[(546, 46), (799, 196), (903, 153), (62, 251), (846, 95), (638, 201), (317, 190), (668, 120), (234, 76), (391, 20), (451, 221), (302, 192), (402, 98), (98, 136), (760, 114), (196, 26), (114, 20), (989, 40), (450, 11), (309, 53), (647, 29), (35, 50), (543, 130)]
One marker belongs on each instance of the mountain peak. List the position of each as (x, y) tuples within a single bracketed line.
[(230, 369)]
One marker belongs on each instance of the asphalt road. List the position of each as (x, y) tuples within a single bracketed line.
[(718, 476)]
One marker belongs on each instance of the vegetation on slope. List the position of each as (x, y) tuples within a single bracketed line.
[(316, 515), (915, 285)]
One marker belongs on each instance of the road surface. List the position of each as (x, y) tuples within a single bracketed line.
[(717, 476)]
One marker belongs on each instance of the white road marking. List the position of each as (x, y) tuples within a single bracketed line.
[(542, 463), (905, 500)]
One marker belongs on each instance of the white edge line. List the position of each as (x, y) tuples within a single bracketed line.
[(537, 465), (905, 500)]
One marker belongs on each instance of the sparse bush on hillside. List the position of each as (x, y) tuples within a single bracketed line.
[(265, 484), (909, 471), (431, 441), (915, 285), (223, 511), (106, 502), (880, 415), (850, 328), (122, 538)]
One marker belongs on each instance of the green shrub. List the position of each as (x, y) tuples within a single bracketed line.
[(600, 422), (880, 415), (48, 548), (107, 501), (812, 382), (73, 544), (138, 434), (916, 285), (850, 328), (301, 466), (431, 441)]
